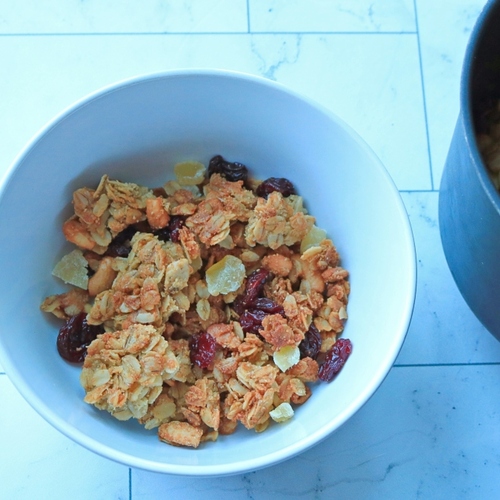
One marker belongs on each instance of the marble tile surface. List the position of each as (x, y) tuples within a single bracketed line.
[(442, 48), (428, 432), (36, 461), (123, 16), (382, 108), (340, 16), (390, 69)]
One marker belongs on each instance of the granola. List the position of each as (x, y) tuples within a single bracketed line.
[(213, 306), (488, 140)]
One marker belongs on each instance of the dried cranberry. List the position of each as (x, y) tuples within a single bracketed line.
[(159, 192), (311, 344), (267, 305), (239, 305), (335, 360), (171, 231), (120, 245), (280, 184), (253, 288), (202, 349), (231, 171), (176, 224), (75, 336), (251, 320)]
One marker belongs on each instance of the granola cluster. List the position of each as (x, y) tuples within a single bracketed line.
[(216, 306), (488, 140)]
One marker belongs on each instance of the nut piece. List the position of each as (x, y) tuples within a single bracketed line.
[(157, 213), (103, 277), (180, 434)]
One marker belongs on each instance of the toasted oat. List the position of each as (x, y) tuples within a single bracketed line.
[(274, 222), (203, 398), (278, 333), (124, 371), (102, 213), (66, 305)]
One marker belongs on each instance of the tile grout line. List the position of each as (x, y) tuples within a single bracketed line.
[(248, 16), (129, 483), (418, 190), (208, 33), (438, 365), (422, 84)]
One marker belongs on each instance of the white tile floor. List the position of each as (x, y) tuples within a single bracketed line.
[(390, 68)]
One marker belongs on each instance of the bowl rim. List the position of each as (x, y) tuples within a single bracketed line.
[(300, 446), (466, 104)]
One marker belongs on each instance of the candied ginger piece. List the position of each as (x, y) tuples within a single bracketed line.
[(282, 413), (72, 269), (190, 173), (286, 357), (225, 276), (313, 238)]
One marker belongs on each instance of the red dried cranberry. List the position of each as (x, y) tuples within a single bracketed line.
[(280, 184), (231, 171), (255, 283), (239, 305), (171, 231), (335, 360), (120, 245), (159, 192), (175, 225), (75, 336), (311, 344), (253, 288), (251, 320), (202, 349), (267, 305)]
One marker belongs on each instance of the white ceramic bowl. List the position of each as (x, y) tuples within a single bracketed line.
[(136, 131)]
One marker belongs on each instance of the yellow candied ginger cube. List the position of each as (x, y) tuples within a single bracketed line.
[(190, 173), (282, 413), (225, 276), (72, 269), (286, 357), (313, 238)]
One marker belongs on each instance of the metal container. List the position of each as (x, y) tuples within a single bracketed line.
[(469, 204)]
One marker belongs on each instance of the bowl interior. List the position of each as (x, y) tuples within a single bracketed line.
[(136, 132)]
